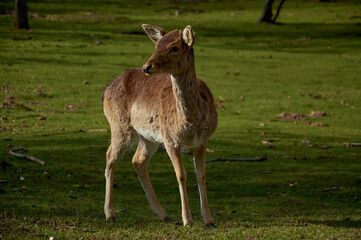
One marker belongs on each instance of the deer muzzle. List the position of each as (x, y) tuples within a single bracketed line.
[(146, 68)]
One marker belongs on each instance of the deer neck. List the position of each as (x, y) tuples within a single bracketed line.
[(187, 95)]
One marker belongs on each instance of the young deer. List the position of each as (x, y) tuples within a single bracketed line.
[(164, 102)]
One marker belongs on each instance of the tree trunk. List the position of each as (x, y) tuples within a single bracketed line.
[(278, 10), (267, 12), (21, 14)]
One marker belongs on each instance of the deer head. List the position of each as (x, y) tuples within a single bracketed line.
[(173, 51)]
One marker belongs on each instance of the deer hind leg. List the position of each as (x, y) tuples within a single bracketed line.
[(119, 145), (199, 164), (176, 157), (140, 161)]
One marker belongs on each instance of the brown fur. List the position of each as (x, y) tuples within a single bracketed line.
[(133, 87), (171, 106)]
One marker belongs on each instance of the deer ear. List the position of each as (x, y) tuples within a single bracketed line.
[(153, 32), (188, 36)]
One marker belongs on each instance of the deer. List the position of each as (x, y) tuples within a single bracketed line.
[(161, 103)]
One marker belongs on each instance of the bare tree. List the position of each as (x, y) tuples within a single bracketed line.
[(21, 14), (267, 12)]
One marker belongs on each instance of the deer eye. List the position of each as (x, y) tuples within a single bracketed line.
[(174, 49)]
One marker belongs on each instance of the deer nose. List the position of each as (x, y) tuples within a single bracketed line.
[(147, 68)]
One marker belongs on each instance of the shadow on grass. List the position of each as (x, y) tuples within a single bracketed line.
[(234, 185), (339, 223), (305, 38)]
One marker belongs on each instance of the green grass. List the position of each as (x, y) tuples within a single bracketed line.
[(276, 68)]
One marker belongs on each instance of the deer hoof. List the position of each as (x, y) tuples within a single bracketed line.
[(111, 220), (189, 225), (211, 226)]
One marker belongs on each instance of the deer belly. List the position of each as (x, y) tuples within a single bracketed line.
[(150, 135)]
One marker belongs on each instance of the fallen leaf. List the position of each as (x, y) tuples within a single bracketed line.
[(97, 130), (291, 116), (17, 189), (219, 106), (321, 124), (39, 93), (2, 129), (221, 99), (5, 88), (324, 146), (9, 102), (70, 108), (96, 42), (317, 114), (320, 146), (119, 210), (268, 143), (82, 186), (227, 211), (34, 102), (314, 96)]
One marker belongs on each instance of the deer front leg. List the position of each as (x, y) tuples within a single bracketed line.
[(176, 157), (199, 164), (140, 161)]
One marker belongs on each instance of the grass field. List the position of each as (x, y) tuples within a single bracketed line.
[(52, 75)]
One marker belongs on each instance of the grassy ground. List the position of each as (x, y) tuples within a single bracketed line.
[(51, 78)]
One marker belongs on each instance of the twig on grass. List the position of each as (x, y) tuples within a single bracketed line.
[(330, 189), (59, 133), (31, 158), (72, 132), (257, 159), (351, 144)]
